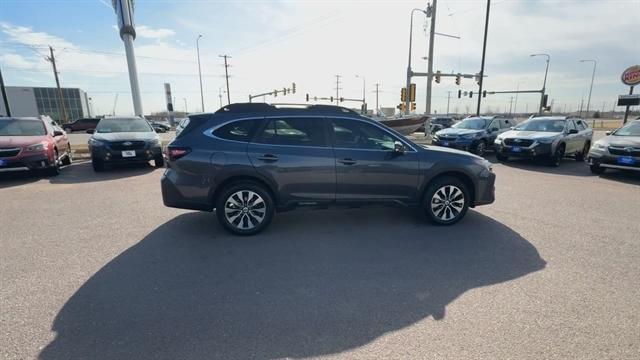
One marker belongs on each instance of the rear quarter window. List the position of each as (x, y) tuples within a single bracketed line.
[(241, 130)]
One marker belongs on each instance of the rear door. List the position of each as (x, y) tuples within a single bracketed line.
[(367, 168), (294, 153)]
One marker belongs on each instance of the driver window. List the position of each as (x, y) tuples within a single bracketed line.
[(354, 134), (570, 125)]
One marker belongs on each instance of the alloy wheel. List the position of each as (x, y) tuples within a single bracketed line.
[(245, 209), (447, 202)]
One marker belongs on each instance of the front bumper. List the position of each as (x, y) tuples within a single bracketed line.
[(533, 151), (29, 162), (606, 160), (106, 154), (460, 144), (485, 190)]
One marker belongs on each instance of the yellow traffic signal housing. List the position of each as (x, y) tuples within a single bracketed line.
[(413, 106), (412, 92), (401, 107), (403, 95)]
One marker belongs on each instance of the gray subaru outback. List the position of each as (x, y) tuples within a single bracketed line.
[(248, 161)]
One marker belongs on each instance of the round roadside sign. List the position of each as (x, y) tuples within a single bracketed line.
[(631, 76)]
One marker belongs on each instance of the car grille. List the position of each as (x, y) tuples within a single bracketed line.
[(447, 138), (130, 145), (614, 150), (9, 152), (518, 142)]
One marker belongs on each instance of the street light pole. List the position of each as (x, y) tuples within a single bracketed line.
[(200, 71), (409, 72), (544, 84), (593, 74), (432, 33), (186, 110), (484, 53)]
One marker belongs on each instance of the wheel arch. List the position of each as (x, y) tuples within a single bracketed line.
[(458, 174), (242, 177)]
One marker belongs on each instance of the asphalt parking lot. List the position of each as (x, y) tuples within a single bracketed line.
[(93, 266)]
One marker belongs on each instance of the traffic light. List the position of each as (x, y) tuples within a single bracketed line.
[(401, 107), (458, 79), (438, 77), (484, 93), (293, 88), (459, 94), (307, 97), (403, 95), (341, 99), (275, 93), (332, 99), (412, 92), (477, 78), (413, 106), (470, 94)]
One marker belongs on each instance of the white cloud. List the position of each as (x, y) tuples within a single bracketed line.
[(147, 32)]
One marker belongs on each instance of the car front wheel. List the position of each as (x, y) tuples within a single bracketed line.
[(557, 157), (98, 165), (480, 148), (245, 208), (446, 201)]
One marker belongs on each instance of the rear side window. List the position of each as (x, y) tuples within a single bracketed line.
[(241, 130), (505, 123), (294, 132), (581, 125)]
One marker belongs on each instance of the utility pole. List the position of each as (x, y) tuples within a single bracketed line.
[(593, 75), (448, 99), (124, 12), (220, 95), (200, 71), (484, 53), (581, 104), (63, 108), (432, 33), (226, 75), (6, 100), (338, 89), (377, 91), (515, 104), (510, 105), (186, 109)]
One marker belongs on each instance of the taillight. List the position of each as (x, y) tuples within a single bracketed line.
[(175, 153)]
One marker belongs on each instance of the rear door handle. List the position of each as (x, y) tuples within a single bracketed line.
[(268, 157), (347, 161)]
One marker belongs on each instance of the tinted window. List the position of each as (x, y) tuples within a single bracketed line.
[(581, 125), (505, 123), (354, 134), (472, 124), (238, 130), (294, 132), (570, 125), (15, 127)]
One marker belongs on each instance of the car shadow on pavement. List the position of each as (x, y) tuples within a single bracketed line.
[(315, 283)]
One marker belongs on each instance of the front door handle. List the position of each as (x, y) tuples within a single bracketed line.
[(347, 161), (268, 157)]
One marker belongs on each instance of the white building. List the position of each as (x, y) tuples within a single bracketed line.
[(30, 101)]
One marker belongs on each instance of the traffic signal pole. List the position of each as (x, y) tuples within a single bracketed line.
[(6, 100), (430, 59), (484, 53)]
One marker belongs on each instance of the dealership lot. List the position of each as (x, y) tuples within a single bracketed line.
[(94, 266)]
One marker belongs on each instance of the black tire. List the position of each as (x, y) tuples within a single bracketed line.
[(558, 155), (98, 165), (583, 154), (481, 148), (158, 161), (69, 158), (437, 191), (248, 210), (597, 169), (501, 157), (54, 170)]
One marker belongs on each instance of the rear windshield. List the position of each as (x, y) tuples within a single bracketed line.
[(18, 127), (544, 125), (632, 129), (106, 126)]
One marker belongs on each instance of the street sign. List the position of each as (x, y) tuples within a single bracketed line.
[(631, 76), (629, 100)]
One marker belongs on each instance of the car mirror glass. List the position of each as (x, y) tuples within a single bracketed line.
[(608, 133), (398, 147)]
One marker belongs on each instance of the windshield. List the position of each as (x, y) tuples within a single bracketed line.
[(632, 129), (472, 124), (17, 127), (106, 126), (544, 125)]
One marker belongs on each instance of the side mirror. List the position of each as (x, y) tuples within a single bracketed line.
[(494, 129), (57, 133), (512, 128), (91, 131), (398, 147), (573, 131), (609, 133)]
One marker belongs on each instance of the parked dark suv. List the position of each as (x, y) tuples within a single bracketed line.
[(81, 125), (249, 160), (474, 134)]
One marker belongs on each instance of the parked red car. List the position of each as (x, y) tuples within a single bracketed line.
[(33, 143)]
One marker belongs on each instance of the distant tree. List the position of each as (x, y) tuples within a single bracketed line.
[(596, 115)]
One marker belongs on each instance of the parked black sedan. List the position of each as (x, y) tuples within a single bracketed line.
[(473, 134), (619, 150), (124, 140), (160, 127)]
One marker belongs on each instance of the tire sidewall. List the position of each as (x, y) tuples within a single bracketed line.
[(433, 187), (244, 185)]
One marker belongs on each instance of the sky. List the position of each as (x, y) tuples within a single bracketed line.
[(275, 43)]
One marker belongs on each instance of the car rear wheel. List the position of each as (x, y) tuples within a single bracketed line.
[(98, 165), (583, 154), (446, 201), (69, 158), (245, 208), (54, 169), (557, 157)]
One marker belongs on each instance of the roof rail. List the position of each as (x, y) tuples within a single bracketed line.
[(264, 107)]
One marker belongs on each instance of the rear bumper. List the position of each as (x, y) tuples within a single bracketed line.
[(33, 162), (183, 196)]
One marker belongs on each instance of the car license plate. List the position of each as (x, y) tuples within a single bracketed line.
[(129, 153), (3, 162), (626, 160), (445, 143), (516, 149)]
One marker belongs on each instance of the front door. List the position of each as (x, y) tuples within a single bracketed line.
[(294, 153), (367, 168)]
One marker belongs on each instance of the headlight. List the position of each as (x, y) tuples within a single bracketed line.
[(498, 141), (599, 146), (546, 140), (96, 143), (154, 142), (36, 147), (469, 136)]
